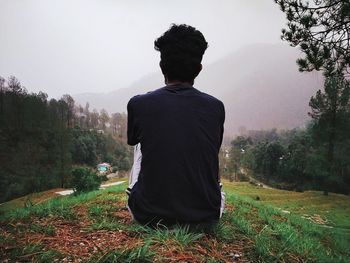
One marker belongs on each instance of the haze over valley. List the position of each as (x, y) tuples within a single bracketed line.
[(259, 84)]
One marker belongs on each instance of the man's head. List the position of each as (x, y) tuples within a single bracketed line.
[(181, 50)]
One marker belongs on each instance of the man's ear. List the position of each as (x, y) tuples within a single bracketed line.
[(161, 67), (164, 74), (199, 70)]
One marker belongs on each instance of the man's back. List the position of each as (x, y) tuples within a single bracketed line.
[(180, 130)]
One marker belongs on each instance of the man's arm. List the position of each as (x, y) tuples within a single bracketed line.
[(133, 131)]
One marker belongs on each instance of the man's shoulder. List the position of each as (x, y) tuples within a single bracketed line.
[(144, 97), (141, 98), (211, 98)]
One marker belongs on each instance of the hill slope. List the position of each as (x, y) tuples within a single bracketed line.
[(97, 227)]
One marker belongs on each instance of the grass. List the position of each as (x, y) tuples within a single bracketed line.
[(334, 209), (180, 236), (138, 254), (279, 236), (36, 253), (38, 198), (29, 200), (96, 227)]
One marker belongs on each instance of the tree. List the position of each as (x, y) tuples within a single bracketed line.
[(123, 126), (64, 140), (321, 30), (94, 118), (80, 118), (267, 159), (295, 161), (87, 115), (84, 180), (38, 143), (17, 92), (70, 109), (238, 148), (83, 148), (330, 110), (15, 86), (241, 143), (104, 119), (274, 154), (2, 91), (234, 163), (115, 122)]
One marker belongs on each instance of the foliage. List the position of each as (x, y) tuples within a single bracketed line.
[(41, 139), (35, 139), (321, 29), (331, 111), (85, 180), (297, 159), (238, 148), (91, 148)]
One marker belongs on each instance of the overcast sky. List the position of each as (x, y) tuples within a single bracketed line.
[(77, 46)]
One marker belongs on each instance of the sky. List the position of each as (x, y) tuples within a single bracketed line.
[(78, 46)]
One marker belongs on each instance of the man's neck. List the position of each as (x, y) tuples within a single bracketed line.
[(175, 82)]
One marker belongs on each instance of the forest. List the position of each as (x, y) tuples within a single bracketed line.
[(291, 159), (42, 140), (318, 156)]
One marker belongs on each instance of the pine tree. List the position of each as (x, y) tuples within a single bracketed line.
[(321, 30), (2, 94), (330, 110)]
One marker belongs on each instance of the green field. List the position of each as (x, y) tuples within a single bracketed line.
[(332, 210), (259, 225)]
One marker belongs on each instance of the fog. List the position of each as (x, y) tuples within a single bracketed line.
[(83, 46)]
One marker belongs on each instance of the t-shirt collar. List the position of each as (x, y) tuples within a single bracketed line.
[(178, 86)]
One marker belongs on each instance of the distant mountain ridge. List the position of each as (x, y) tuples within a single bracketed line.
[(259, 84)]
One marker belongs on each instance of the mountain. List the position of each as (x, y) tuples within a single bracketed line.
[(260, 86), (117, 100)]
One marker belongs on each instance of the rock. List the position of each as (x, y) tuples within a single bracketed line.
[(235, 255)]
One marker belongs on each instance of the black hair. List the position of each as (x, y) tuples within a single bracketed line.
[(181, 50)]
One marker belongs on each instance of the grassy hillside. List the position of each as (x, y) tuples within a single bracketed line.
[(259, 225), (332, 210), (29, 200)]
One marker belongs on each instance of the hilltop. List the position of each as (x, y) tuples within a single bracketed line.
[(259, 225)]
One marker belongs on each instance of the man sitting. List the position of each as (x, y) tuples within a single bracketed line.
[(178, 131)]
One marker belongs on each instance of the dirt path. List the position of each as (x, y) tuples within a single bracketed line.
[(252, 179), (103, 186)]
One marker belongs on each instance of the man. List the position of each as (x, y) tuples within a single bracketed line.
[(178, 132)]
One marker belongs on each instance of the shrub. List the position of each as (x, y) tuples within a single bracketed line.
[(103, 178), (84, 180), (115, 169)]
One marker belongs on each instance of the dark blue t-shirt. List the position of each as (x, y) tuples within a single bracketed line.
[(180, 130)]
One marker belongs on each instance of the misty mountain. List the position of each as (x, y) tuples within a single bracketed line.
[(260, 86)]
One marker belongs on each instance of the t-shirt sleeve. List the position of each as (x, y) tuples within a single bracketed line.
[(133, 130), (222, 122)]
